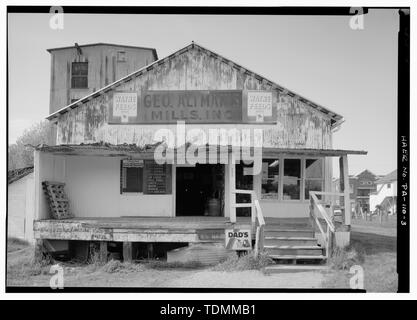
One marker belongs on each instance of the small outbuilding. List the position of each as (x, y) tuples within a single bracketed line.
[(21, 203)]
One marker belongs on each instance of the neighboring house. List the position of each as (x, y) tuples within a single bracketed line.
[(21, 203), (106, 144), (361, 187), (385, 194)]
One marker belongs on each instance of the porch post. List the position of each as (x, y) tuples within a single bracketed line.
[(232, 187), (346, 189)]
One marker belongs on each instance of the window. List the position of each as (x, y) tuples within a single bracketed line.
[(389, 186), (314, 179), (121, 56), (79, 75), (292, 179), (363, 192), (131, 178), (270, 179)]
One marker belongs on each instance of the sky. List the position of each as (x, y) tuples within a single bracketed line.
[(352, 72)]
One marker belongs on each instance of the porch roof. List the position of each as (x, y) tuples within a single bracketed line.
[(147, 151)]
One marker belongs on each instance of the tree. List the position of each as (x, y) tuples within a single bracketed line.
[(20, 155)]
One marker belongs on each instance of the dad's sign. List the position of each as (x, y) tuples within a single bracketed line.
[(192, 106), (238, 239)]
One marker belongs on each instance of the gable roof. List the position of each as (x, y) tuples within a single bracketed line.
[(105, 44), (366, 172), (17, 174), (335, 118), (390, 177)]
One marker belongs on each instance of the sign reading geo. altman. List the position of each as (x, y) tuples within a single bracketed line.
[(193, 106), (238, 239)]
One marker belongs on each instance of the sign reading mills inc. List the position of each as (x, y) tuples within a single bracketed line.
[(193, 106)]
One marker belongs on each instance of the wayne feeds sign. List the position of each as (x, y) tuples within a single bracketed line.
[(192, 106), (238, 239)]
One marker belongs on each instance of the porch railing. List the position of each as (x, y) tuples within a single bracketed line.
[(319, 204), (257, 218)]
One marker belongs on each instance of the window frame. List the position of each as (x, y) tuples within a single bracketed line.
[(123, 179), (303, 159), (78, 75), (322, 179)]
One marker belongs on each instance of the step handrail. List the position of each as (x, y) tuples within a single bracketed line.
[(330, 227), (257, 217)]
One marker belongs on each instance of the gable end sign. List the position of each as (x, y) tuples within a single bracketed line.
[(192, 106)]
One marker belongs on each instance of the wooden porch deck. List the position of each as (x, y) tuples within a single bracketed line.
[(147, 229)]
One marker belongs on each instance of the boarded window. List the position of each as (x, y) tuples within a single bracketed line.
[(79, 75), (121, 56), (270, 179), (131, 177), (314, 178)]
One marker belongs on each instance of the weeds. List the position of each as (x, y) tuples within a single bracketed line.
[(244, 262), (15, 244), (161, 265), (345, 258)]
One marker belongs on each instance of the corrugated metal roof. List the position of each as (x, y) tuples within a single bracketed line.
[(336, 118)]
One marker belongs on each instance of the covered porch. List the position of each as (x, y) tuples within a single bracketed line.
[(104, 212)]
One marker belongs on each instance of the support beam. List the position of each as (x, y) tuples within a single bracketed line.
[(127, 252), (345, 188), (40, 251), (232, 187), (103, 251)]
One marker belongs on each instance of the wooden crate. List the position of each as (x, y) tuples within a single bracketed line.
[(57, 199)]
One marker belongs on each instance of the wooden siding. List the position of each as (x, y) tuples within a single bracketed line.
[(103, 68), (298, 124)]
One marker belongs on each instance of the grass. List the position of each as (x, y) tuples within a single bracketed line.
[(23, 265), (377, 256), (161, 265), (15, 244), (390, 222), (244, 262)]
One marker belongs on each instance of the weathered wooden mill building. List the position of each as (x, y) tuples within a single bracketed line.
[(118, 193)]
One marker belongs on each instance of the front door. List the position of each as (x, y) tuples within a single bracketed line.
[(200, 190)]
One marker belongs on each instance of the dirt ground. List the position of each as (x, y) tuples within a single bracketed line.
[(143, 276), (376, 243)]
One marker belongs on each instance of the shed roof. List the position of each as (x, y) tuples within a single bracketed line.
[(335, 118), (107, 149), (17, 174)]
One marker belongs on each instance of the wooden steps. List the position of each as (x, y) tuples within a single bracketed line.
[(303, 233), (295, 268), (288, 245), (294, 250), (296, 241)]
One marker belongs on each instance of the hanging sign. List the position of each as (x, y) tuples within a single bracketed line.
[(259, 105), (125, 106)]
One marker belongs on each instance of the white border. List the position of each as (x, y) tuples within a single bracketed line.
[(221, 296)]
